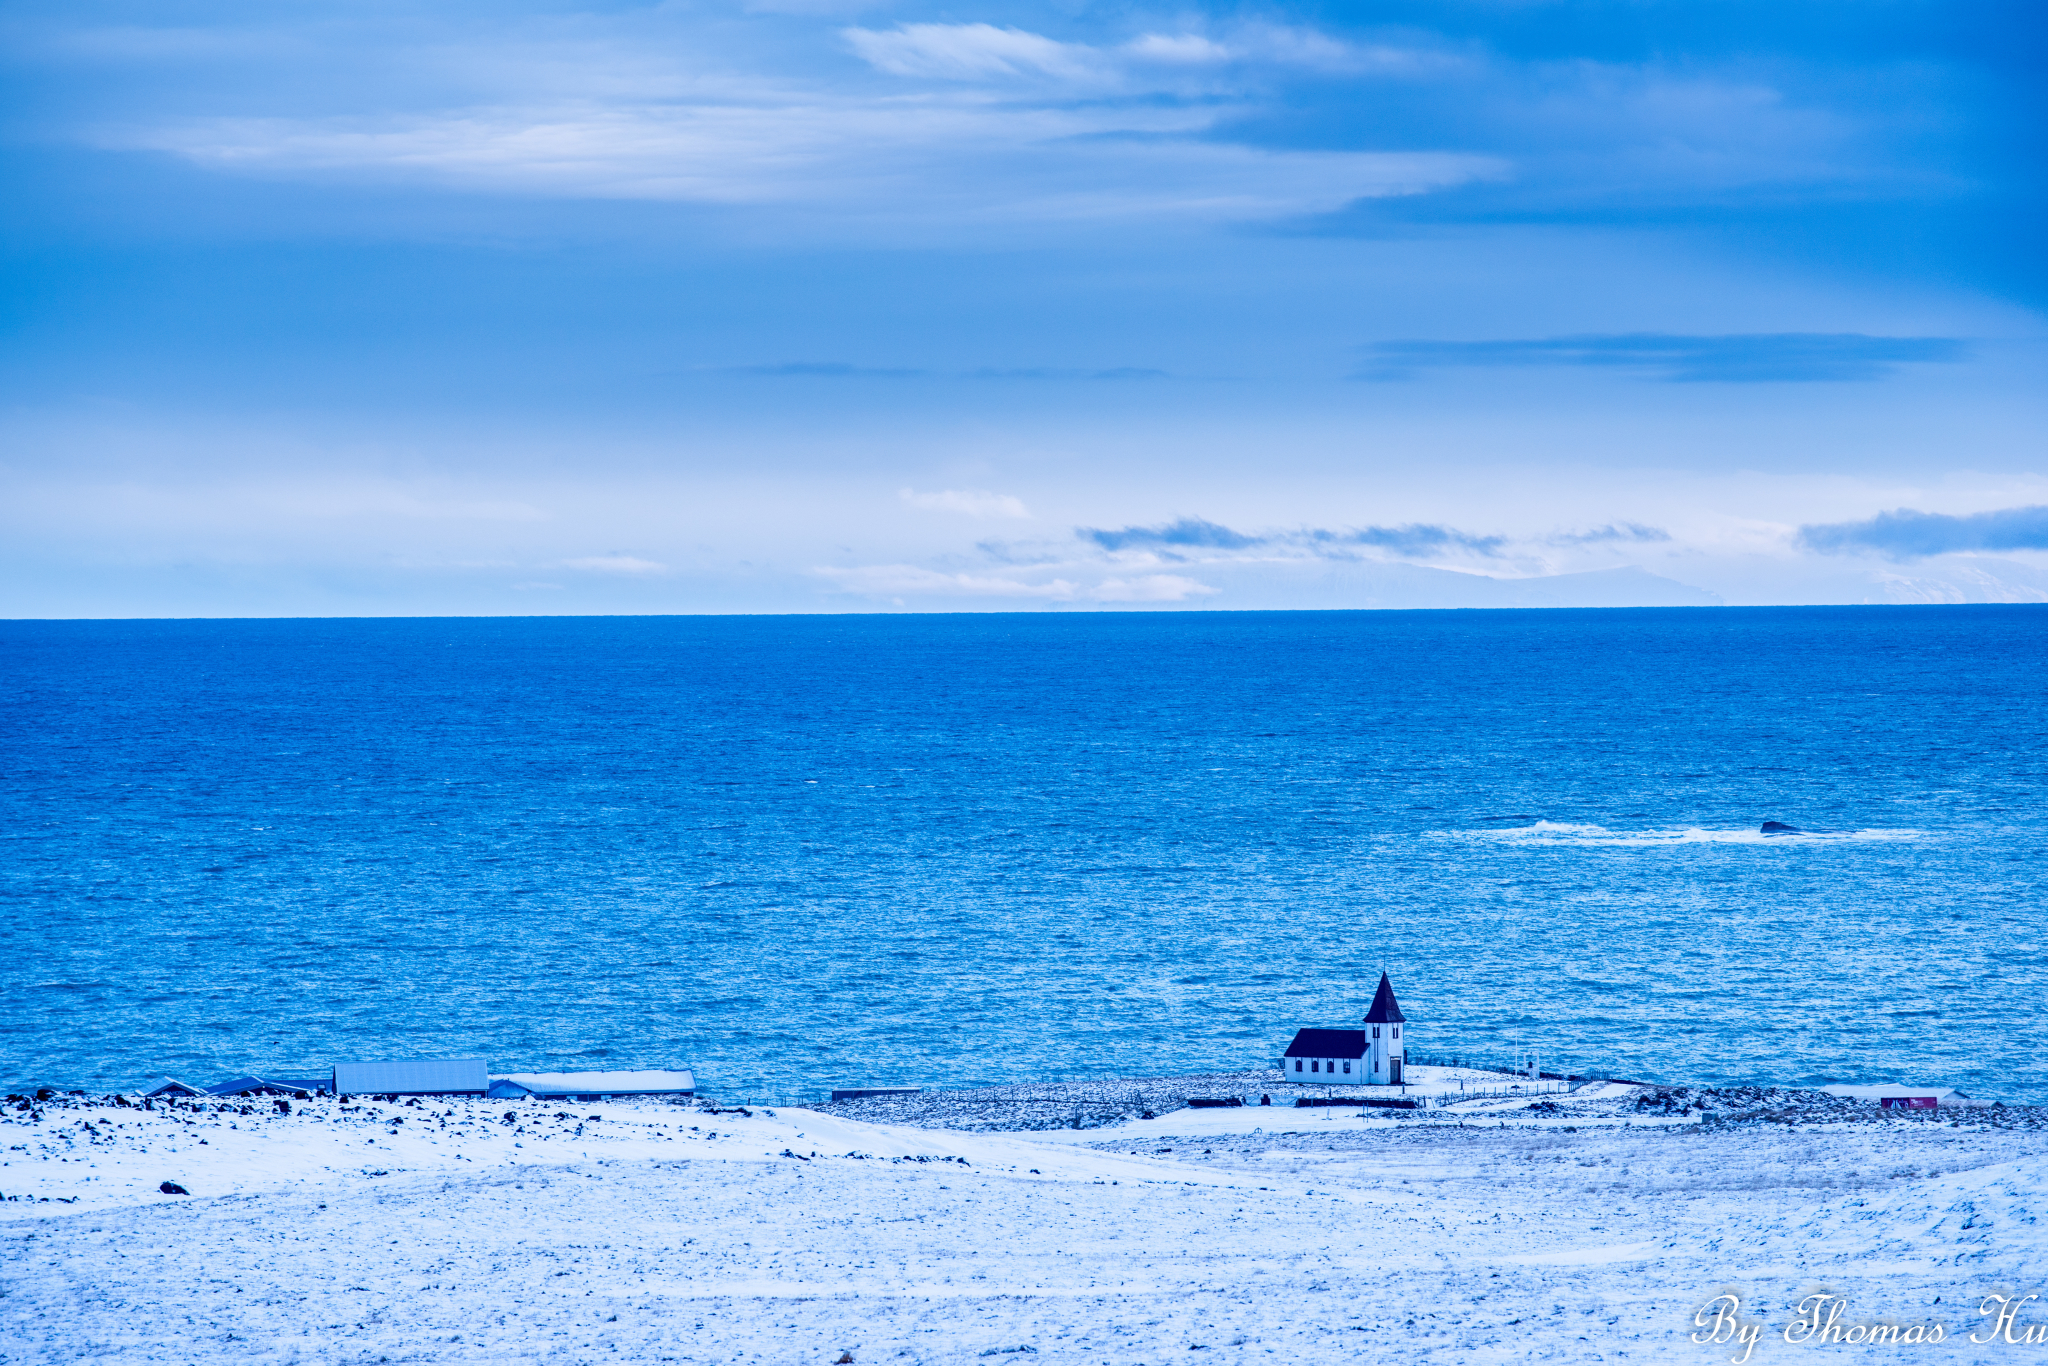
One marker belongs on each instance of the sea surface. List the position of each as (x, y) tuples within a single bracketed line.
[(799, 852)]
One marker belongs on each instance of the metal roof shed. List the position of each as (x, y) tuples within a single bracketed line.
[(283, 1086), (413, 1077), (559, 1085)]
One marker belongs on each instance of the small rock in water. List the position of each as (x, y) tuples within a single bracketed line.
[(1780, 828), (173, 1188)]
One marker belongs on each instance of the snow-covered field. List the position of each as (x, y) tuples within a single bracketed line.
[(441, 1231)]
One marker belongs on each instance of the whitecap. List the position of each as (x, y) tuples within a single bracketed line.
[(1567, 833)]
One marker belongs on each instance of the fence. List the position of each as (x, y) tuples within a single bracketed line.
[(1508, 1090), (1508, 1070)]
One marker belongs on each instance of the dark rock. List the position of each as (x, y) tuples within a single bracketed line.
[(1780, 828), (173, 1188)]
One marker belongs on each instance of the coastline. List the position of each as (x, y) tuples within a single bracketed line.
[(696, 1232)]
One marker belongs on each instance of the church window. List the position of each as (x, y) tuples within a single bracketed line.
[(1375, 1031), (1347, 1067), (1297, 1064)]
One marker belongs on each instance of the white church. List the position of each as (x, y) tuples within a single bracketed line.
[(1372, 1056)]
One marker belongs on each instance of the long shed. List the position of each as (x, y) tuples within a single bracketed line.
[(413, 1077)]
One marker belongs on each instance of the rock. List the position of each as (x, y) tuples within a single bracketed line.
[(1780, 828), (173, 1188)]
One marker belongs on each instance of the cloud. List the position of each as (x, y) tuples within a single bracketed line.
[(1188, 531), (1736, 358), (831, 369), (966, 52), (1905, 534), (652, 108), (1416, 538), (1182, 48), (823, 369), (1152, 588), (615, 564), (970, 502), (907, 580), (937, 158), (982, 51), (1052, 372), (1625, 532), (898, 581), (1422, 539)]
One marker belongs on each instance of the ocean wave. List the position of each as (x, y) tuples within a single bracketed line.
[(1570, 833)]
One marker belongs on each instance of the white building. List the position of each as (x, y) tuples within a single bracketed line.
[(1373, 1056)]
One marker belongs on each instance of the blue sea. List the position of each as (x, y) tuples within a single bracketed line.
[(799, 852)]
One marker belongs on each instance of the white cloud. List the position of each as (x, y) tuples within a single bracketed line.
[(954, 158), (1152, 588), (616, 564), (1306, 47), (1190, 49), (969, 502), (976, 123), (966, 52), (976, 52), (904, 580), (899, 581)]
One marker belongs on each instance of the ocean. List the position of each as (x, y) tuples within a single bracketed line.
[(802, 852)]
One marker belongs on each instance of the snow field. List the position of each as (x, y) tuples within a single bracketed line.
[(636, 1237)]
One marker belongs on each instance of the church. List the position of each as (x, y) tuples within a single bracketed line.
[(1372, 1056)]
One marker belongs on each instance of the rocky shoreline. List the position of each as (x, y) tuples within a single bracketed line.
[(1096, 1104), (1102, 1103)]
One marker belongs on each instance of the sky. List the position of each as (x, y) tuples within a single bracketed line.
[(404, 308)]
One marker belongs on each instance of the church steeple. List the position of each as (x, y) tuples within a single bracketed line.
[(1385, 1009)]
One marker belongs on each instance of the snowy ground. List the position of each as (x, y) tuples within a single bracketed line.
[(645, 1232)]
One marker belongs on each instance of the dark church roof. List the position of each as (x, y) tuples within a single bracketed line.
[(1385, 1009), (1327, 1043)]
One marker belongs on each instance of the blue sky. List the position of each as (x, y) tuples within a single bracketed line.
[(800, 305)]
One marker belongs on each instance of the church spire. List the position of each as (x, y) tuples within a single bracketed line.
[(1385, 1009)]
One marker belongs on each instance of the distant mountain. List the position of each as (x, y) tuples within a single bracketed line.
[(1965, 579), (1629, 587)]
